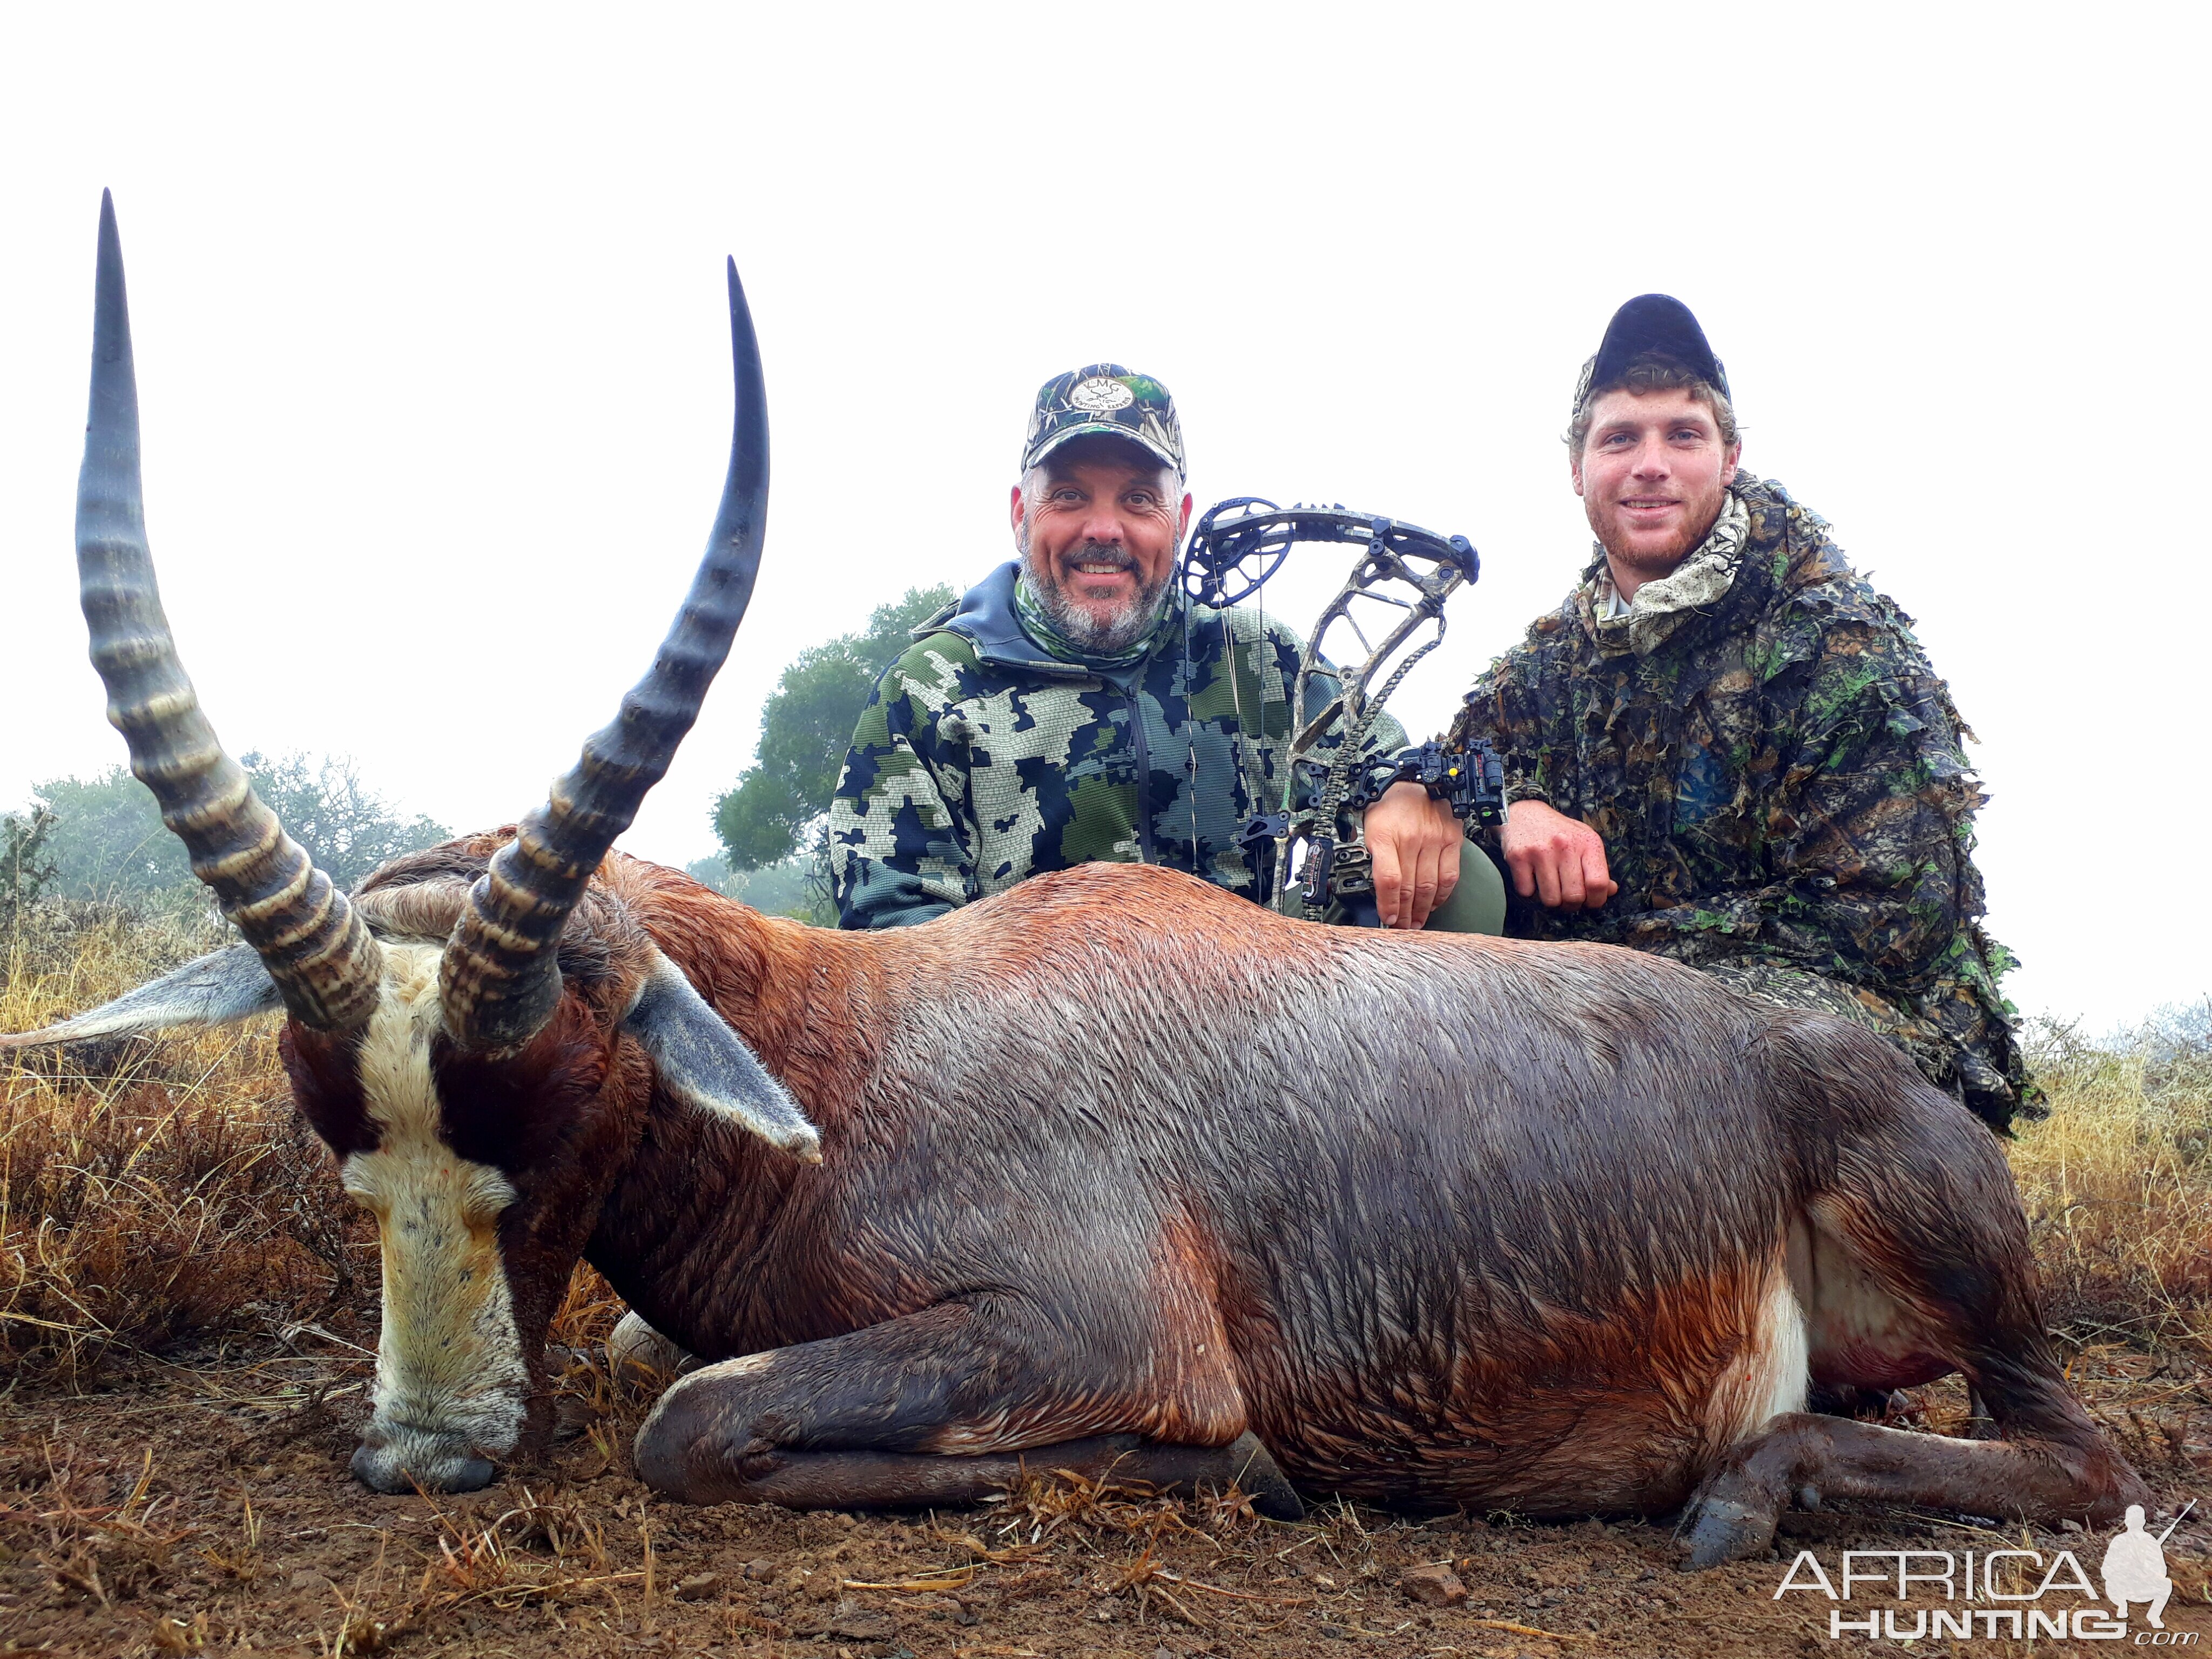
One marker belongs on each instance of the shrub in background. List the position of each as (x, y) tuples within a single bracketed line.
[(775, 815), (27, 862), (107, 840)]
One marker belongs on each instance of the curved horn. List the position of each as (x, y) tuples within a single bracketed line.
[(316, 949), (499, 982)]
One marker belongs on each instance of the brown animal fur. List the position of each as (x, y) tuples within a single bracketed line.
[(1115, 1154)]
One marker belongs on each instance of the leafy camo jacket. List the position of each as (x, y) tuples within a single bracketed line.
[(1780, 785), (981, 759)]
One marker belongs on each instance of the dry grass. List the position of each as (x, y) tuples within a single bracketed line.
[(161, 1194), (2118, 1183), (153, 1193), (160, 1199), (105, 1552), (537, 1553)]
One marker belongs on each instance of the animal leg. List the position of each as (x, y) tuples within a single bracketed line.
[(1910, 1262), (879, 1480), (1959, 1287), (939, 1406), (633, 1343), (2036, 1476)]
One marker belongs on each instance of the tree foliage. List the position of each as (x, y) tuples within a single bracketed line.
[(790, 888), (108, 839), (807, 727), (27, 862), (347, 828)]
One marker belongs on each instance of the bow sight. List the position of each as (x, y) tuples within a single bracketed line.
[(1238, 545)]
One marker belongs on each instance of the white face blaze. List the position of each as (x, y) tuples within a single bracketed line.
[(451, 1381)]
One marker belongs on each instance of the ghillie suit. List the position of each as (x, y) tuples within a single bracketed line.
[(1776, 773)]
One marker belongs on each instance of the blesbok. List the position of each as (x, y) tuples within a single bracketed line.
[(1115, 1169)]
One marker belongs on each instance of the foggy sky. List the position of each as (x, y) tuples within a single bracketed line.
[(433, 365)]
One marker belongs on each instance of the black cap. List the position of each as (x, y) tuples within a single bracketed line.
[(1655, 325)]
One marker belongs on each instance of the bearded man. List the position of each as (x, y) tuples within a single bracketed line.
[(1077, 707), (1726, 748)]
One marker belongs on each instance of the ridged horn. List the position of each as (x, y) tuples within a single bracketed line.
[(499, 982), (318, 951)]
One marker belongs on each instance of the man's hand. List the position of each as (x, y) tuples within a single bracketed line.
[(1413, 840), (1555, 860)]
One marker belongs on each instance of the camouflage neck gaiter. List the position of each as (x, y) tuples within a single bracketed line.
[(1660, 608), (1039, 626)]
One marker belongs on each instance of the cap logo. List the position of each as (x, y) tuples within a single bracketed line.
[(1100, 396)]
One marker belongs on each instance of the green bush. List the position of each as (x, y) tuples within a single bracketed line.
[(775, 811)]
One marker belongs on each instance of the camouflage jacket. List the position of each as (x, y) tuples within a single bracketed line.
[(982, 760), (1778, 779)]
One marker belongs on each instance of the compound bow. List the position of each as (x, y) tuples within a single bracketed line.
[(1238, 545)]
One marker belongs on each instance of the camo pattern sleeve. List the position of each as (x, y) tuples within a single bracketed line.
[(1516, 705), (898, 855), (971, 773)]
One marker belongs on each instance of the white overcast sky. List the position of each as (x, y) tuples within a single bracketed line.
[(433, 368)]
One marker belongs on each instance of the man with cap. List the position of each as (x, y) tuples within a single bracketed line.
[(1726, 748), (1077, 707)]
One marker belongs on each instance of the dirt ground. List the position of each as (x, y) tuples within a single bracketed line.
[(208, 1508)]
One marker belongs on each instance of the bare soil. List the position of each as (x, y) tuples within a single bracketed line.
[(207, 1507)]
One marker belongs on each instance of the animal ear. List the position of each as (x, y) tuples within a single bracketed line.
[(706, 1064), (214, 989)]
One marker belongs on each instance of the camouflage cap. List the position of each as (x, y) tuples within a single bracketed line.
[(1105, 397)]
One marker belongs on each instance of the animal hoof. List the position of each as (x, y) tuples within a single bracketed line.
[(472, 1474), (635, 1348), (1273, 1498), (656, 1453), (1257, 1472), (1278, 1502), (1726, 1530)]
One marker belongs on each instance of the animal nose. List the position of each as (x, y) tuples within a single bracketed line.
[(472, 1474), (383, 1468)]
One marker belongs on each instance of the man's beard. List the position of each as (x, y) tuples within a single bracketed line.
[(1107, 636), (1652, 564)]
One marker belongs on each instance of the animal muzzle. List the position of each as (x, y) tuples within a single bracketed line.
[(400, 1461)]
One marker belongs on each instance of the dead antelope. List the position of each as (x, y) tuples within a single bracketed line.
[(1114, 1167)]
